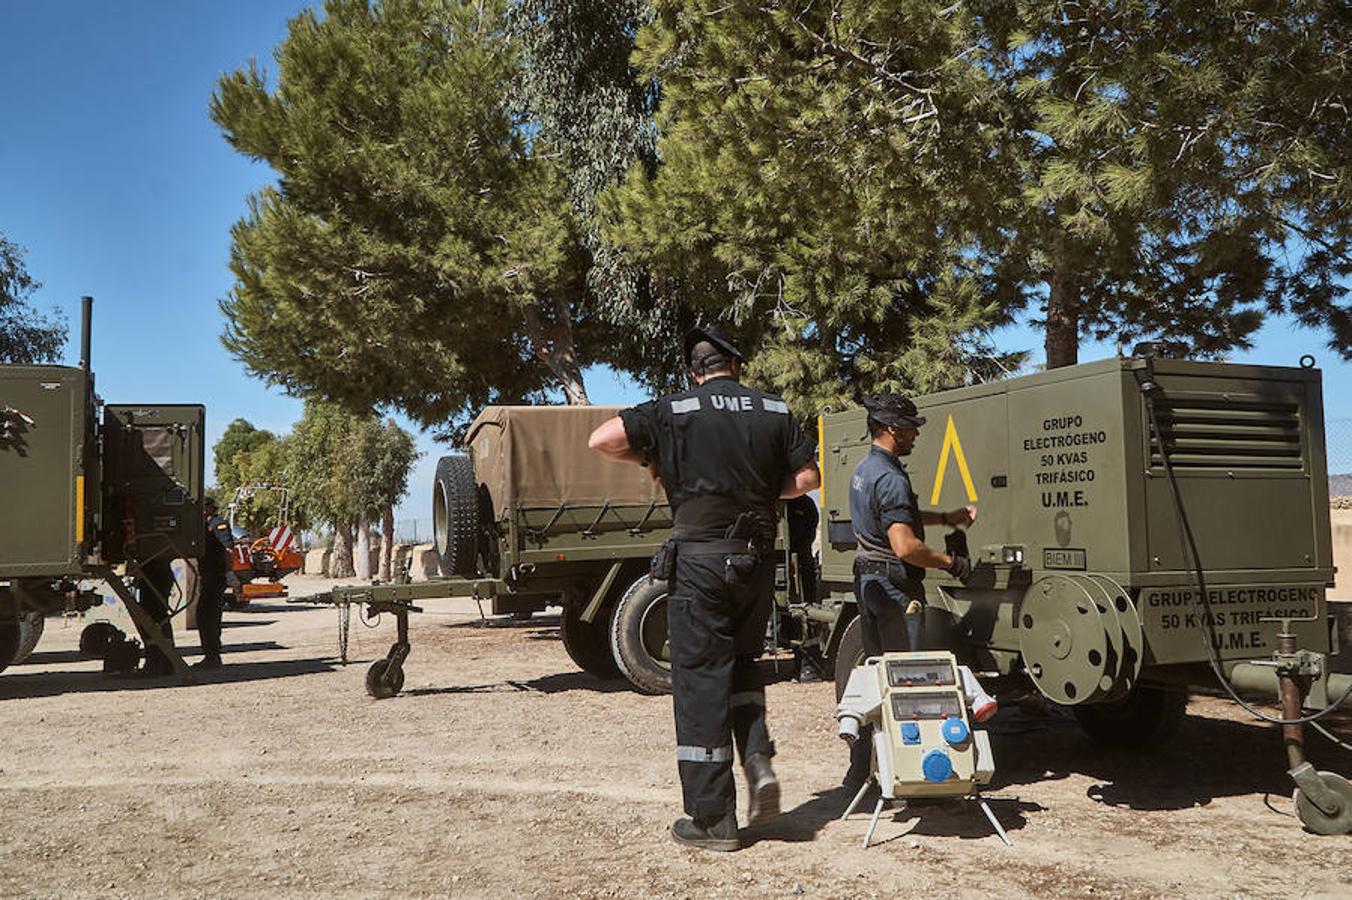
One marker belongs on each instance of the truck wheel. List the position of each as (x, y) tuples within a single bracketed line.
[(455, 516), (1142, 720), (30, 632), (849, 654), (588, 643), (9, 640), (97, 637), (638, 636)]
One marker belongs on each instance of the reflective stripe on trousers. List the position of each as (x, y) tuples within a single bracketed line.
[(704, 754)]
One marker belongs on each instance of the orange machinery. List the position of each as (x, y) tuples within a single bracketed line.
[(257, 565)]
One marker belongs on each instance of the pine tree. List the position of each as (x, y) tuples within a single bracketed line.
[(419, 250)]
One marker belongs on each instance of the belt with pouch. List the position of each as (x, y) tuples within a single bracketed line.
[(714, 547), (893, 570)]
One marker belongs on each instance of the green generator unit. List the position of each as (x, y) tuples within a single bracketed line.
[(1081, 580)]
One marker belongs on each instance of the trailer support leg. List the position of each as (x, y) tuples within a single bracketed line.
[(145, 624)]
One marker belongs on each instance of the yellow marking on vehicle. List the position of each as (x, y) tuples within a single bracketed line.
[(951, 442), (79, 509)]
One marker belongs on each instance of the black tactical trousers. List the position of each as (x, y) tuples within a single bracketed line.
[(716, 617), (210, 603), (885, 627)]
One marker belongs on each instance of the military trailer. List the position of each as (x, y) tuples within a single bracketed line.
[(87, 486), (529, 517), (1106, 492)]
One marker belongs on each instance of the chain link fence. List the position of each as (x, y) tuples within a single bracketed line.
[(1338, 447), (414, 531)]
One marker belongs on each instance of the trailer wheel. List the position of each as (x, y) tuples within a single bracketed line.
[(455, 516), (638, 636), (849, 654), (98, 637), (588, 643), (380, 686), (1144, 719), (30, 632)]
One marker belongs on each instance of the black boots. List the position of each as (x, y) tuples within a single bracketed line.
[(763, 787), (708, 834)]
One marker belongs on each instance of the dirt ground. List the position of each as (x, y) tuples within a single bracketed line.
[(502, 771)]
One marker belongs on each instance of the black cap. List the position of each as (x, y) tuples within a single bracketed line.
[(209, 501), (893, 409), (714, 335)]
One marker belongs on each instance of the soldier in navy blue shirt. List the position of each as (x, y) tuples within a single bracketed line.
[(725, 454), (891, 555)]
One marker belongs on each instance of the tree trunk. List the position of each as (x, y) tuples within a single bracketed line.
[(363, 560), (552, 343), (387, 544), (340, 565), (1063, 318)]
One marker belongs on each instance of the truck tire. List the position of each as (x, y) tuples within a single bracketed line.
[(30, 632), (588, 643), (455, 516), (10, 636), (1143, 720), (849, 654), (638, 636)]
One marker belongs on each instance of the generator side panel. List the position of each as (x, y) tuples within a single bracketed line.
[(1068, 485), (42, 451), (1247, 448), (153, 459)]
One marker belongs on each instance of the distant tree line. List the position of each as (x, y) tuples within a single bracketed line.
[(477, 200), (344, 472)]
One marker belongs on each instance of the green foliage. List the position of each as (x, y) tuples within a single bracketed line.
[(248, 455), (419, 251), (26, 336), (342, 467), (829, 179), (870, 186), (240, 437), (578, 86)]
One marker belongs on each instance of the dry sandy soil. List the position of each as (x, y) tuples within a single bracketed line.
[(502, 771)]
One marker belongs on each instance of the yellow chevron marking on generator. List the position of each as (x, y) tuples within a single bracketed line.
[(951, 442)]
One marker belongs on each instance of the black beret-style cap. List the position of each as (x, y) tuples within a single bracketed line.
[(894, 409), (714, 335)]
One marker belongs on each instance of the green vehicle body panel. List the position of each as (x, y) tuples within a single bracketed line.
[(1061, 469)]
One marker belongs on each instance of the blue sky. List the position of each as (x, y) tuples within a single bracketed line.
[(119, 185)]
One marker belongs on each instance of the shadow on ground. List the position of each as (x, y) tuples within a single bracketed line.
[(937, 818), (20, 686), (1208, 758)]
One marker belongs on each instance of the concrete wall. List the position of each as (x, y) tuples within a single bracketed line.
[(424, 563)]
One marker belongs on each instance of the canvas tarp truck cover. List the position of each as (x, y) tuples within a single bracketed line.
[(537, 456)]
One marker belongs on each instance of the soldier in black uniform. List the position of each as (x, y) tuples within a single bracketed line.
[(154, 584), (725, 454), (891, 555), (211, 569)]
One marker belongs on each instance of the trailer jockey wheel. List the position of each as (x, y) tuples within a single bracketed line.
[(384, 680), (1338, 821)]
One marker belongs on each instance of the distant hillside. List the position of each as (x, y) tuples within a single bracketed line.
[(1340, 486)]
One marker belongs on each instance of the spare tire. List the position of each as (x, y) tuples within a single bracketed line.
[(455, 516), (30, 632)]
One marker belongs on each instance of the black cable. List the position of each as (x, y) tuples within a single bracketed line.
[(1193, 559)]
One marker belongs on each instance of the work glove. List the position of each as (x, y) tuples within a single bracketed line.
[(960, 568)]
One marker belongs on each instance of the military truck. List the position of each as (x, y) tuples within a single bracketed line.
[(94, 486), (1145, 524), (528, 517)]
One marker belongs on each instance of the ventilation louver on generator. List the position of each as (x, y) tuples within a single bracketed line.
[(1223, 435)]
